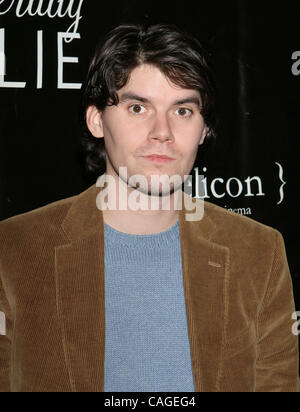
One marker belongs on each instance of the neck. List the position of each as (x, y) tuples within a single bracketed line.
[(134, 212)]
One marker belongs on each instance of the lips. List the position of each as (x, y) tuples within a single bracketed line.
[(160, 157)]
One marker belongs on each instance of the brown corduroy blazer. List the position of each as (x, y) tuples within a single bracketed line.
[(238, 292)]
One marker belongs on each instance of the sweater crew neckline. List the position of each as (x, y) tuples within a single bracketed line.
[(140, 241)]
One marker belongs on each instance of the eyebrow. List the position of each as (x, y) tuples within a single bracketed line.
[(132, 96)]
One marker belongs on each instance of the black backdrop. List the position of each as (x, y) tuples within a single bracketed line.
[(255, 49)]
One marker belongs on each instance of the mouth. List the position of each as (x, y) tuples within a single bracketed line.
[(159, 158)]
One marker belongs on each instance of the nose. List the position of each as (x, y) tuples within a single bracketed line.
[(161, 129)]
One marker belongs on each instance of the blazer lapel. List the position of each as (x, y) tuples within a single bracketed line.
[(206, 280), (81, 293), (80, 289)]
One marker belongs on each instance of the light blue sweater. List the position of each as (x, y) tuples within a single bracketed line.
[(147, 346)]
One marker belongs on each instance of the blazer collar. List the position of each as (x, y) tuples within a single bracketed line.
[(84, 218), (80, 290)]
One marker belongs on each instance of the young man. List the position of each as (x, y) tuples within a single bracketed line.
[(96, 296)]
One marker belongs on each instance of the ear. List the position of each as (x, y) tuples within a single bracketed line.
[(94, 121), (203, 135)]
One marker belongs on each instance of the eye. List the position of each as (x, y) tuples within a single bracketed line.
[(184, 112), (136, 109)]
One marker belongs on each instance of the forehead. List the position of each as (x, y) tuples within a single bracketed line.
[(152, 84)]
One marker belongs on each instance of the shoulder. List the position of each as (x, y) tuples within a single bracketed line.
[(51, 210), (239, 229), (30, 226), (255, 249)]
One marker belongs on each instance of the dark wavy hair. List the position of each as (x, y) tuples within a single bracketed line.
[(179, 55)]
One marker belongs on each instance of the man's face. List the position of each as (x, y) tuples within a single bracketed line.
[(154, 116)]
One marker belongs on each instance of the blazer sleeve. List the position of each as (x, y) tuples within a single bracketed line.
[(5, 343), (277, 367)]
